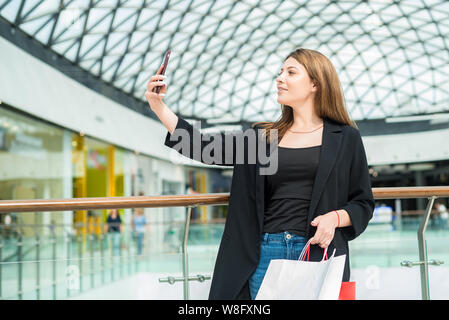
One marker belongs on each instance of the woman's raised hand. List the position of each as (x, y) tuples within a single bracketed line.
[(167, 117), (155, 99)]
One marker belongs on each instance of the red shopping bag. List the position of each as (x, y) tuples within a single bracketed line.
[(347, 291)]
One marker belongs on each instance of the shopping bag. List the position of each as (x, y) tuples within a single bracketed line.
[(303, 280), (347, 291)]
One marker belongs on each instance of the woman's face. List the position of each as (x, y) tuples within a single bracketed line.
[(294, 84)]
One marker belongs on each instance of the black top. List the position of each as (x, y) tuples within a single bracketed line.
[(114, 224), (290, 190)]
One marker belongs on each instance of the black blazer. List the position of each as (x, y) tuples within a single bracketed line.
[(342, 182)]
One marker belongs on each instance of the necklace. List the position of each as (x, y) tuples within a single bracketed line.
[(305, 131)]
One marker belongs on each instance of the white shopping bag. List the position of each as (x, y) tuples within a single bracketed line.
[(303, 280)]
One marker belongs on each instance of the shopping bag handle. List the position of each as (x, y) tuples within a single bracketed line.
[(306, 252)]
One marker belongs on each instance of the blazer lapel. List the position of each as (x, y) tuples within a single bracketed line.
[(260, 189), (330, 146)]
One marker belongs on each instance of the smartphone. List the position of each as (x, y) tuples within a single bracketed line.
[(164, 67)]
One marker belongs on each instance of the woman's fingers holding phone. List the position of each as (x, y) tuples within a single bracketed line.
[(154, 99), (158, 77), (151, 95), (151, 88), (156, 83)]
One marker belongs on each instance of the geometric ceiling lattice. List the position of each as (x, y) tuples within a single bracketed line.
[(391, 56)]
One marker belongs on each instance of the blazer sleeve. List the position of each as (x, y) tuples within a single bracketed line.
[(360, 205), (218, 149)]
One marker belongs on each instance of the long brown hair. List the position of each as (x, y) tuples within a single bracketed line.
[(329, 99)]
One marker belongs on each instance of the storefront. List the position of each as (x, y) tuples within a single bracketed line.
[(34, 164), (41, 160)]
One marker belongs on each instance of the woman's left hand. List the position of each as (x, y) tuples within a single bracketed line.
[(325, 231)]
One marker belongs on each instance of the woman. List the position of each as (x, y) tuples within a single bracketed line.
[(321, 189), (114, 227)]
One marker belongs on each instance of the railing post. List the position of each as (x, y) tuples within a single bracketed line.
[(80, 259), (37, 265), (69, 243), (120, 252), (398, 205), (91, 247), (422, 244), (185, 261), (128, 247), (19, 264), (185, 258), (53, 242), (102, 256)]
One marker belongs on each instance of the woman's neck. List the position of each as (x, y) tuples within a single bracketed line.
[(305, 120)]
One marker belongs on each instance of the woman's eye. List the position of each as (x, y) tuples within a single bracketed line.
[(290, 72)]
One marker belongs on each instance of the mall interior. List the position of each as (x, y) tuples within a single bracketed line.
[(74, 123)]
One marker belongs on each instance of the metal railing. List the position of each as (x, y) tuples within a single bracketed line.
[(190, 201), (86, 260)]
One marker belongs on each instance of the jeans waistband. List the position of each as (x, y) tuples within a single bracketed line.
[(282, 236)]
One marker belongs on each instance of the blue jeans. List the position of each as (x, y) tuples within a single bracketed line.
[(115, 239), (140, 236), (275, 246)]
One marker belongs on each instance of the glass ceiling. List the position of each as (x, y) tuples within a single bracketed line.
[(392, 57)]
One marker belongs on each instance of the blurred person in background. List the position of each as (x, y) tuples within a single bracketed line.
[(7, 226), (138, 225), (443, 215), (113, 228)]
